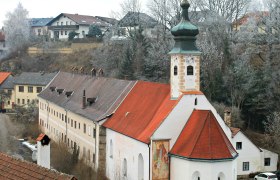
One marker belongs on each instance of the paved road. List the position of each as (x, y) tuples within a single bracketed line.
[(8, 143)]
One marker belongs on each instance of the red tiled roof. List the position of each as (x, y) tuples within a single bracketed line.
[(255, 15), (16, 169), (234, 131), (4, 76), (40, 137), (142, 111), (85, 19), (2, 37), (203, 138)]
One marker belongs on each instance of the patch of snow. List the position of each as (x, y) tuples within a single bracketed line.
[(30, 146)]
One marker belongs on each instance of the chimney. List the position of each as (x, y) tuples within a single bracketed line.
[(100, 72), (44, 151), (227, 116), (93, 72), (82, 69), (84, 100)]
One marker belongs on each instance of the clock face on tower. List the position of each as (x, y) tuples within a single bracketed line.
[(189, 59)]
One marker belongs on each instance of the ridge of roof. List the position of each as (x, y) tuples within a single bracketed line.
[(199, 133), (196, 139)]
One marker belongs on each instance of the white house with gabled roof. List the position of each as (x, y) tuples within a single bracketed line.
[(252, 158), (64, 23)]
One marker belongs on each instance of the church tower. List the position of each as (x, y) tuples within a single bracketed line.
[(185, 57)]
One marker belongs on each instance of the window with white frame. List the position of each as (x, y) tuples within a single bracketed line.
[(266, 161), (238, 145), (246, 166)]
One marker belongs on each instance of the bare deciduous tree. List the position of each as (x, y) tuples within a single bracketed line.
[(131, 6), (272, 127), (17, 28), (230, 10)]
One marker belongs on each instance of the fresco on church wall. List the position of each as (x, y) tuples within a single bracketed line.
[(160, 164)]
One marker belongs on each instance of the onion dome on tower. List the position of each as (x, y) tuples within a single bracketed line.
[(185, 33)]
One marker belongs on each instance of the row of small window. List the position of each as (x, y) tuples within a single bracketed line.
[(190, 70), (70, 143), (23, 101), (246, 165), (62, 23), (30, 89), (65, 33), (69, 120)]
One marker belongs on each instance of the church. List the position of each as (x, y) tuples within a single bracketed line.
[(146, 130), (163, 131)]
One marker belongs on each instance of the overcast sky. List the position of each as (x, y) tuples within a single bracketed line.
[(52, 8)]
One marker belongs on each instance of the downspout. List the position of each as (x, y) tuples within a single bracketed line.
[(95, 139), (48, 107), (169, 166), (66, 129), (149, 161)]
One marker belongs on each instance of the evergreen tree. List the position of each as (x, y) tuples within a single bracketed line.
[(72, 35), (94, 31), (126, 69)]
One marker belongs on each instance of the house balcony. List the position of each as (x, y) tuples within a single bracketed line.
[(66, 27)]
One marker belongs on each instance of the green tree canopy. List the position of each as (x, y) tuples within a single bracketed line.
[(72, 35), (94, 31)]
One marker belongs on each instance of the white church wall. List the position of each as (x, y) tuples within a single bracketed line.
[(176, 120), (182, 169), (125, 148)]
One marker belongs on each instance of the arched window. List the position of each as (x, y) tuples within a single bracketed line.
[(140, 167), (195, 101), (196, 176), (221, 176), (124, 168), (175, 70), (111, 148), (190, 70)]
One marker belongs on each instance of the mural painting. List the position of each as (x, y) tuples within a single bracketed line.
[(160, 166)]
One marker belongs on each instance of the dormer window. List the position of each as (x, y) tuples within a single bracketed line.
[(91, 101), (68, 93), (190, 70), (59, 91), (52, 88), (175, 70)]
